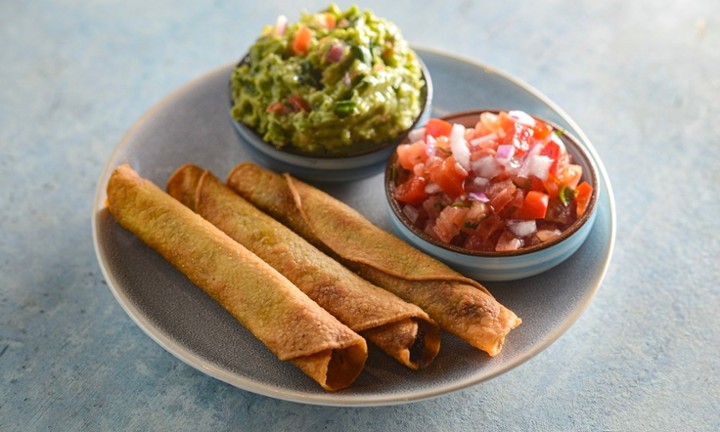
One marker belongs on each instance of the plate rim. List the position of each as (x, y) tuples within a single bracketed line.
[(195, 361)]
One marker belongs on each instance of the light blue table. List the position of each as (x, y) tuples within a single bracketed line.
[(641, 78)]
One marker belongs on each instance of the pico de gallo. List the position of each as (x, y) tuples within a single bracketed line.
[(503, 184)]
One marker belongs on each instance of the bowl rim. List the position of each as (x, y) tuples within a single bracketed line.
[(575, 147), (426, 96)]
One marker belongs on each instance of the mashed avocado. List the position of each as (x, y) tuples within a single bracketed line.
[(334, 83)]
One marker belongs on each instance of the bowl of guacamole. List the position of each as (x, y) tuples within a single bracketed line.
[(330, 95)]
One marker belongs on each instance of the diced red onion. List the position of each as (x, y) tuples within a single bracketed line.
[(522, 228), (459, 146), (478, 196), (504, 153), (411, 212), (334, 53)]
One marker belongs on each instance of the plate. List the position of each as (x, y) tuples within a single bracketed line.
[(192, 124)]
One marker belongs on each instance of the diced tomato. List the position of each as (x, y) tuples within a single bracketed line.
[(330, 20), (490, 123), (501, 200), (410, 155), (501, 194), (412, 191), (559, 213), (450, 176), (433, 206), (508, 242), (277, 108), (482, 151), (551, 187), (541, 130), (302, 40), (507, 125), (478, 210), (298, 103), (552, 150), (516, 204), (569, 175), (442, 144), (450, 222), (481, 130), (437, 128), (536, 184), (535, 205), (582, 197), (486, 233)]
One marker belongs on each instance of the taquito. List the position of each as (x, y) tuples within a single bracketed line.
[(400, 329), (286, 320), (460, 305)]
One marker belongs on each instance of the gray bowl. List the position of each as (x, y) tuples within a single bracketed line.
[(352, 167)]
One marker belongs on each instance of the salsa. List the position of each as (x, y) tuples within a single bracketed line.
[(334, 83), (503, 184)]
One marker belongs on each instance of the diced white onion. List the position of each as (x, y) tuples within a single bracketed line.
[(432, 188), (522, 228), (477, 184), (430, 147), (513, 244), (411, 212), (459, 146), (416, 135), (486, 167), (536, 165), (545, 235), (280, 25), (522, 117), (483, 139)]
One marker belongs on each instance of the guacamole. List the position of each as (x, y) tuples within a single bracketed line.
[(334, 83)]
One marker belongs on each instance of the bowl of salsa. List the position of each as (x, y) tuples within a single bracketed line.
[(498, 195), (328, 97)]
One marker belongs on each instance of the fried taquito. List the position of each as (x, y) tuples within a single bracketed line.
[(275, 311), (460, 305)]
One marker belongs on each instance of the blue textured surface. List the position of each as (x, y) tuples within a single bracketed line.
[(641, 79)]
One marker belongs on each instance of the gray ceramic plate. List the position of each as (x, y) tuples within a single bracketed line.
[(192, 125)]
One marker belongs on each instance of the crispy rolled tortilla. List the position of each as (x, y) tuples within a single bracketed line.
[(400, 329), (286, 320), (460, 305)]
